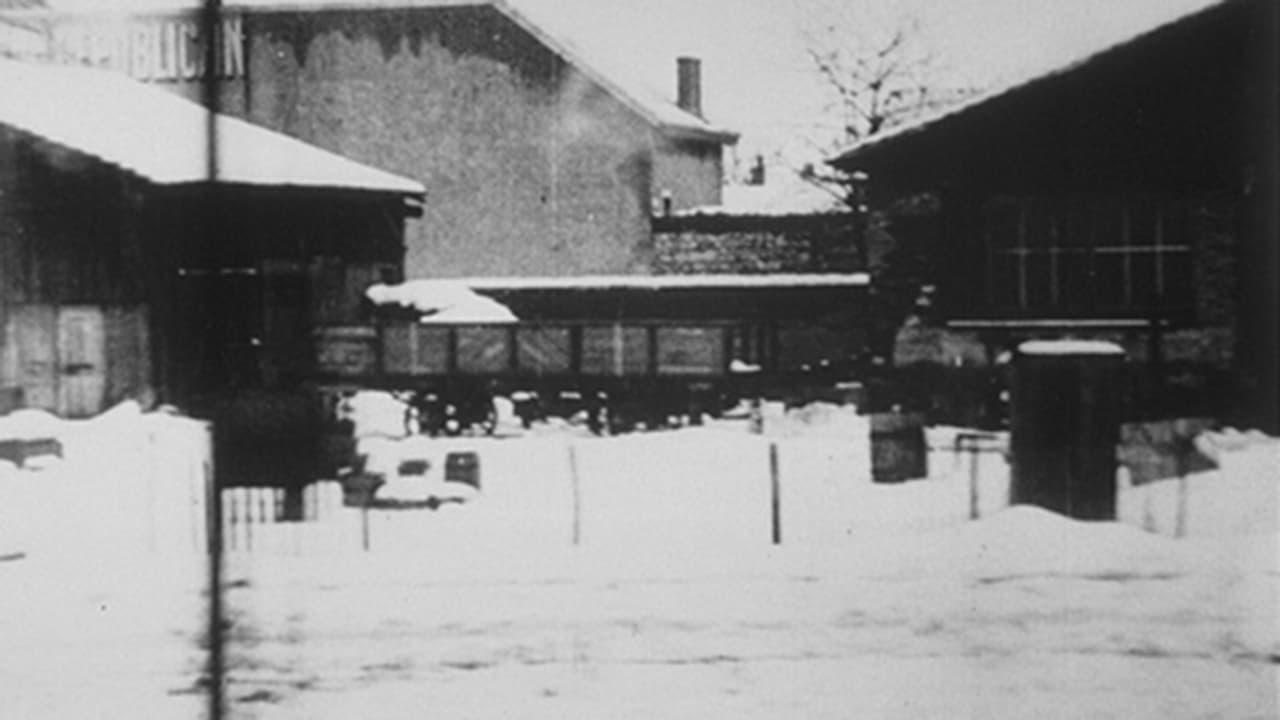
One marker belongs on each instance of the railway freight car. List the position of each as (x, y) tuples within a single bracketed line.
[(621, 351)]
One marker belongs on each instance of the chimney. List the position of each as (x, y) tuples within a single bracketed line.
[(689, 85)]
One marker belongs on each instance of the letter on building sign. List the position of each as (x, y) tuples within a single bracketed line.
[(188, 50), (151, 48), (140, 52), (232, 48)]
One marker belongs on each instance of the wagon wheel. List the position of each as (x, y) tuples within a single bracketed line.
[(489, 422), (449, 425), (412, 420), (600, 420)]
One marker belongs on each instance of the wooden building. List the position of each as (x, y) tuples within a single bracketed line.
[(1131, 195), (127, 270), (536, 160)]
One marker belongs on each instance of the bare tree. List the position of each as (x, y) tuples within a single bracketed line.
[(874, 58)]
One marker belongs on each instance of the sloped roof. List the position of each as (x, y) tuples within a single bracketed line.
[(849, 157), (661, 113), (163, 138)]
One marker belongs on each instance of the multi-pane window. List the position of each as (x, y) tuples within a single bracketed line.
[(1089, 254)]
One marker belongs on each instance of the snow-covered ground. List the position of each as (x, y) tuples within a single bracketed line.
[(881, 601)]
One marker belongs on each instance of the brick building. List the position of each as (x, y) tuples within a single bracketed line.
[(535, 161), (1131, 195)]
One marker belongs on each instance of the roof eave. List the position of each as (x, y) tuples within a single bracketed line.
[(686, 132), (570, 55), (850, 158), (415, 194)]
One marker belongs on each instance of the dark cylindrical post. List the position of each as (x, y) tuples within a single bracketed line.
[(1067, 403)]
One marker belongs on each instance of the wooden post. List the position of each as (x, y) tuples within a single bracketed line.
[(576, 487), (775, 493), (972, 444), (364, 524), (215, 631), (1183, 448), (973, 482)]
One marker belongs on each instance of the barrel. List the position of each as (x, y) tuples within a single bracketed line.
[(898, 450), (1066, 406)]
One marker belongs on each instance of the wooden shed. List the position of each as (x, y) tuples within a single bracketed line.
[(127, 270), (1129, 196)]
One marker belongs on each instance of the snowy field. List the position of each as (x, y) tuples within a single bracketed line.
[(881, 601)]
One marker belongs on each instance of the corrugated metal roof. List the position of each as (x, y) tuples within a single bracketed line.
[(663, 114), (163, 138)]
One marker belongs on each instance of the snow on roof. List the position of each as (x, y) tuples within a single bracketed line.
[(789, 197), (889, 137), (668, 282), (612, 75), (163, 138), (1069, 347), (442, 301), (661, 113)]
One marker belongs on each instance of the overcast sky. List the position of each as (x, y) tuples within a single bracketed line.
[(757, 78)]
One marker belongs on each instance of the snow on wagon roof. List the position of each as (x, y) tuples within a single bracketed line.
[(162, 137), (1069, 347), (669, 282)]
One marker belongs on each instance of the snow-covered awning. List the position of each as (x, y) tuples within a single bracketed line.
[(163, 138), (442, 301)]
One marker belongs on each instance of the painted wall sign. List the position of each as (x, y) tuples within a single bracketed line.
[(158, 48)]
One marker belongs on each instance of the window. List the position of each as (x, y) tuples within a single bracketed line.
[(1087, 254)]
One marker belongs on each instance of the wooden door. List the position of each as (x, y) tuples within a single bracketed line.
[(82, 366), (32, 335)]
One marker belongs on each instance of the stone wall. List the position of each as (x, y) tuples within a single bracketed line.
[(755, 244)]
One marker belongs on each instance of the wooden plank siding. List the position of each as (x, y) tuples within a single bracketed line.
[(183, 290)]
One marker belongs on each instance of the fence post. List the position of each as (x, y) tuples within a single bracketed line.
[(971, 442), (1183, 448), (576, 488), (775, 512), (973, 483), (364, 524)]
